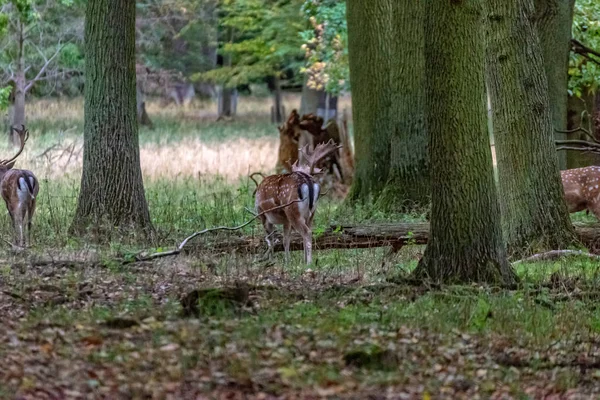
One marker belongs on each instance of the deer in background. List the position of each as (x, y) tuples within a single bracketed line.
[(19, 190), (289, 136), (582, 189), (298, 192)]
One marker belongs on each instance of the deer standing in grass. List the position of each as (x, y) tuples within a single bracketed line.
[(582, 189), (19, 190), (298, 189)]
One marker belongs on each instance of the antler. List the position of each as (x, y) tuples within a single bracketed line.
[(320, 152), (23, 136)]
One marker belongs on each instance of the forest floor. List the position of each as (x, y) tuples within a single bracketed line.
[(78, 323)]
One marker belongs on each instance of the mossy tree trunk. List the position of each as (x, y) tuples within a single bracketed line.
[(386, 70), (534, 213), (554, 19), (465, 242), (408, 186), (112, 190)]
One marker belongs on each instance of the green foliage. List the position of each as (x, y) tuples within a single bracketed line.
[(326, 45), (52, 34), (177, 35), (4, 95), (584, 73), (261, 39)]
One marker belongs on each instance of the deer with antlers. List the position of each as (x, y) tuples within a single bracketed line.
[(19, 190), (298, 193)]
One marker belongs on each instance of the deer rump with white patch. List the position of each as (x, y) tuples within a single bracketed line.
[(19, 189), (293, 198), (582, 189)]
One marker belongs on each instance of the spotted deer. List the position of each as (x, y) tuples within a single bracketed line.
[(582, 189), (293, 198), (19, 190)]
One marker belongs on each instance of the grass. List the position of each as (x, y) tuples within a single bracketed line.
[(344, 328)]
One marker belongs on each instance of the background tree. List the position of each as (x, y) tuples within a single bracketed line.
[(534, 214), (465, 242), (259, 39), (32, 49), (112, 191), (386, 65), (553, 19)]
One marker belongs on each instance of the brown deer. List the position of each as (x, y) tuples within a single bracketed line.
[(19, 190), (289, 136), (298, 189), (582, 189), (313, 124)]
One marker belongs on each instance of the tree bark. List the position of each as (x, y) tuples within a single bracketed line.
[(554, 19), (112, 190), (386, 71), (533, 209), (466, 239), (408, 187)]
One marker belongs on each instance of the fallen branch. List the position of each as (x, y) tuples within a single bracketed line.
[(554, 254), (585, 51), (192, 236)]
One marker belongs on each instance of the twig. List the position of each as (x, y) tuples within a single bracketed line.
[(218, 228), (553, 254), (585, 51)]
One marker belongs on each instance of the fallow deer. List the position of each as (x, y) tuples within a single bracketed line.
[(19, 190), (289, 136), (582, 189), (298, 192)]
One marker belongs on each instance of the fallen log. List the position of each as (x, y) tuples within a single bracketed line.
[(356, 237)]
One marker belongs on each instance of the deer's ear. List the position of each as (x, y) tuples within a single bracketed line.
[(7, 166)]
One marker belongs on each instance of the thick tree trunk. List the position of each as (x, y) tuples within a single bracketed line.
[(554, 19), (408, 186), (466, 239), (112, 190), (534, 213), (386, 71), (309, 103)]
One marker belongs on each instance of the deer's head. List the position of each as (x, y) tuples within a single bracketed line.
[(311, 123)]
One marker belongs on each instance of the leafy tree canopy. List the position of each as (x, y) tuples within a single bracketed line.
[(584, 72), (326, 45), (259, 39)]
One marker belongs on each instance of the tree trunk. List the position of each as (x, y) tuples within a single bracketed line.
[(386, 71), (18, 112), (277, 110), (533, 209), (309, 104), (554, 19), (227, 103), (112, 190), (466, 239), (408, 187)]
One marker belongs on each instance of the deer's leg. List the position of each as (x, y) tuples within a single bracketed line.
[(595, 208), (287, 237), (22, 221), (269, 229), (306, 234), (30, 213)]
